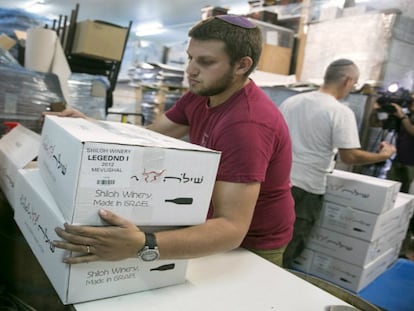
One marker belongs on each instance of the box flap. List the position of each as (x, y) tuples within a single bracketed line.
[(355, 177), (121, 133), (20, 145)]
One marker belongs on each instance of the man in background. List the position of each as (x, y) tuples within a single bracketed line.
[(320, 127), (402, 168)]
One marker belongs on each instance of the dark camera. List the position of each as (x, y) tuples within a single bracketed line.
[(393, 94)]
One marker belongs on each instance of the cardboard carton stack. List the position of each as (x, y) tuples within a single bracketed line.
[(154, 181), (360, 231), (101, 40), (18, 149)]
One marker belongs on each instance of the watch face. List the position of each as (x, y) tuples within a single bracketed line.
[(149, 255)]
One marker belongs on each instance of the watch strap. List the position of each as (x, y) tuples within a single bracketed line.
[(150, 240)]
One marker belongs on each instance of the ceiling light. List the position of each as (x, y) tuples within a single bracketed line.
[(149, 29)]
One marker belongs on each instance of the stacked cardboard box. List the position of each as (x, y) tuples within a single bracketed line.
[(37, 215), (144, 176), (359, 234), (99, 40), (155, 181), (18, 149)]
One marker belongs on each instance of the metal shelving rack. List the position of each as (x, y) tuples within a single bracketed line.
[(66, 29)]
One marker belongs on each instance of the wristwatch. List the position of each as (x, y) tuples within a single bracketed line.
[(150, 250)]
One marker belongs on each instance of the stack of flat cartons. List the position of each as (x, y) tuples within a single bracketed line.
[(155, 181), (382, 51), (360, 231)]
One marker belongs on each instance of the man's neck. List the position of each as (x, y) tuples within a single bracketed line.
[(221, 98), (331, 90)]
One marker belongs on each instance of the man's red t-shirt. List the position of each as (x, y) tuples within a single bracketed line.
[(255, 145)]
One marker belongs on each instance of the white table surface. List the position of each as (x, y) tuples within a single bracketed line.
[(235, 281)]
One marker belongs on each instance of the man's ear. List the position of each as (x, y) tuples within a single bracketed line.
[(244, 64), (344, 83)]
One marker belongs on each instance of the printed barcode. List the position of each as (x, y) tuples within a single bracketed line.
[(106, 182)]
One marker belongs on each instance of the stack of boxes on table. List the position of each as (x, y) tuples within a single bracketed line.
[(82, 166), (359, 233)]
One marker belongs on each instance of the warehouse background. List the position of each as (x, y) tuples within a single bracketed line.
[(142, 74)]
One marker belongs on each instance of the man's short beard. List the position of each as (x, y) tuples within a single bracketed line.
[(219, 86)]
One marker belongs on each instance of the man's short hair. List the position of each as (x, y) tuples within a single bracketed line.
[(240, 41), (339, 69)]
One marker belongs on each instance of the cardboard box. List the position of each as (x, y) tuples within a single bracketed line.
[(341, 273), (37, 215), (149, 178), (99, 40), (275, 59), (352, 250), (208, 11), (264, 16), (367, 193), (6, 42), (18, 148), (363, 225)]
